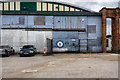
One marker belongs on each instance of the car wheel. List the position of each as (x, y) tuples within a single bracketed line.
[(21, 55), (8, 54), (34, 54), (13, 52)]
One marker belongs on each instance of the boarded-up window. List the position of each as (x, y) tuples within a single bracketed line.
[(91, 28), (39, 20)]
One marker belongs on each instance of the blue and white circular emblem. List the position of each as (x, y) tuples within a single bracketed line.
[(60, 44)]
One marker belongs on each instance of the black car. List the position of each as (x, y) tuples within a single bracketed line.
[(28, 50), (6, 50)]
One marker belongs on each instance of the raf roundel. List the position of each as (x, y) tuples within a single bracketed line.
[(60, 44)]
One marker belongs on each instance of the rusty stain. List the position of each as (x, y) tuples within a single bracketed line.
[(39, 20), (91, 28), (21, 21)]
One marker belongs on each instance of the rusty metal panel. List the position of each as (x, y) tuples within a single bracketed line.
[(95, 45), (83, 45), (92, 42), (91, 28), (21, 20), (39, 20), (82, 35), (83, 48)]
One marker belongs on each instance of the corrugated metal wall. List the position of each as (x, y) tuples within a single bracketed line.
[(18, 38), (67, 38), (95, 38), (89, 40), (23, 21), (69, 22)]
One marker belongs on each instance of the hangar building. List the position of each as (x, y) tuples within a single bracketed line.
[(56, 26)]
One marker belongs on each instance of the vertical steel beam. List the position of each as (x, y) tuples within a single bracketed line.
[(52, 6), (3, 6), (47, 6), (8, 6), (41, 6), (14, 6)]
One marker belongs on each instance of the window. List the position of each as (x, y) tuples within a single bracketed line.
[(71, 9), (66, 8), (44, 6), (55, 7), (5, 6), (39, 20), (38, 6), (77, 10), (1, 6), (91, 28), (60, 7), (49, 7), (11, 5), (17, 5)]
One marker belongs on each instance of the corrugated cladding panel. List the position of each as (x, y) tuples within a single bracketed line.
[(95, 37), (17, 38), (70, 22), (95, 20), (24, 21), (65, 34), (68, 38), (67, 47)]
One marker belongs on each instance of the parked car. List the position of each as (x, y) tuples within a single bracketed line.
[(6, 50), (28, 50)]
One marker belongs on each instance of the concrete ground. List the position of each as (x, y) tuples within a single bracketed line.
[(61, 66)]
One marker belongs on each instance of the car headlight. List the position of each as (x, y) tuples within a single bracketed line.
[(31, 51), (21, 51)]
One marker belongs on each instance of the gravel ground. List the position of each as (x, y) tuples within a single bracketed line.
[(61, 66)]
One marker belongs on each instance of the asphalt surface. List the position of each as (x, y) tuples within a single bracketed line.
[(61, 66)]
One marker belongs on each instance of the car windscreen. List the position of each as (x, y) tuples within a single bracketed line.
[(28, 47)]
